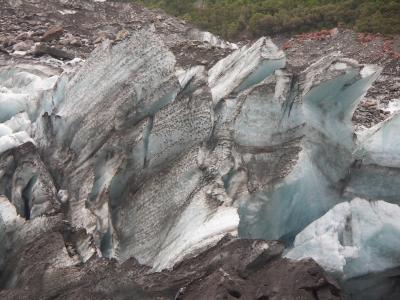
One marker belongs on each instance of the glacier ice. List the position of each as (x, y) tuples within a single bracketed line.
[(381, 146), (245, 67), (153, 143), (210, 38), (23, 89), (196, 230), (303, 170), (13, 140), (376, 172), (353, 240), (158, 161)]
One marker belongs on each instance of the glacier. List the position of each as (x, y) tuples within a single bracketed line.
[(158, 161)]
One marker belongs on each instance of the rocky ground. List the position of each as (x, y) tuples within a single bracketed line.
[(233, 269), (68, 29)]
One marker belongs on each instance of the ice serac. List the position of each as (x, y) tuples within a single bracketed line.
[(357, 240), (301, 159), (129, 129), (148, 154), (244, 68), (354, 240)]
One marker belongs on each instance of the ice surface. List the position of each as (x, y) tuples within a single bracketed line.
[(245, 67), (12, 104), (185, 76), (5, 130), (393, 106), (19, 122), (196, 229), (353, 239), (22, 89)]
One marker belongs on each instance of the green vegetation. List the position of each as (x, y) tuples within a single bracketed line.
[(234, 19)]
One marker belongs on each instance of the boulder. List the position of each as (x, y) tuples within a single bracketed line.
[(53, 33), (23, 46), (122, 34), (42, 49), (76, 42)]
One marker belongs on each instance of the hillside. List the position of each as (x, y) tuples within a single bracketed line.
[(235, 19)]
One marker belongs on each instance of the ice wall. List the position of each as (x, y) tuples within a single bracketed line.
[(318, 107), (376, 173)]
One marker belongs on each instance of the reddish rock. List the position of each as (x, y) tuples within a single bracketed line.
[(53, 33), (286, 45)]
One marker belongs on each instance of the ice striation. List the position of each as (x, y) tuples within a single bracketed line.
[(147, 158)]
